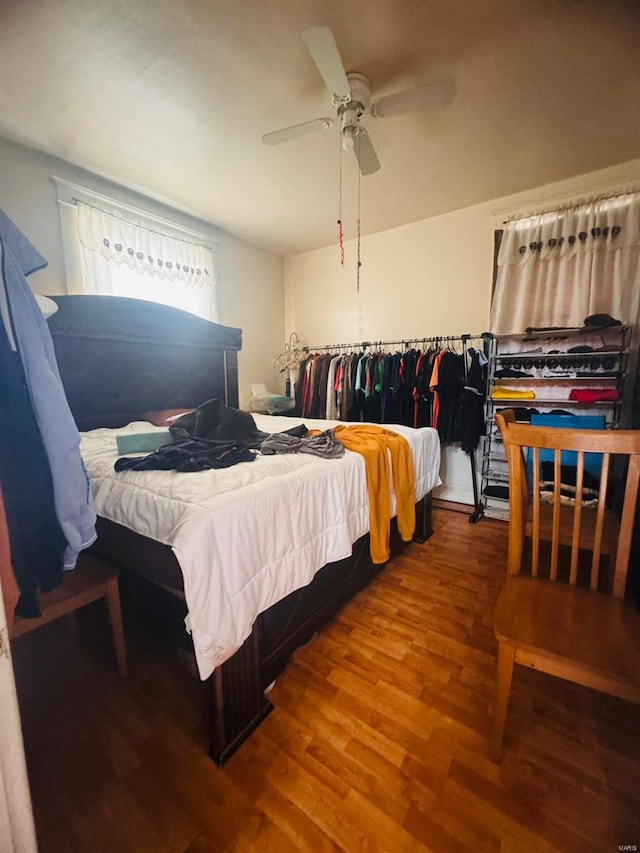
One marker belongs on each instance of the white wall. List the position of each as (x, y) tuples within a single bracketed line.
[(431, 277), (250, 280)]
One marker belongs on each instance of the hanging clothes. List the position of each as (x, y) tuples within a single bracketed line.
[(433, 388), (450, 386), (422, 393), (417, 388), (471, 411), (430, 387), (47, 494)]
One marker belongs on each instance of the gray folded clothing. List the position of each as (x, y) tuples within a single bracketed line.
[(325, 445)]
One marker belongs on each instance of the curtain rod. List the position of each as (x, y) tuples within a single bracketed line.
[(404, 341), (70, 193), (571, 204)]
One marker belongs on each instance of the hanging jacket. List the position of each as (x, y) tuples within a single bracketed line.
[(60, 437), (36, 539), (471, 410)]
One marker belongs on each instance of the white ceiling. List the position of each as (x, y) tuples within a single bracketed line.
[(171, 97)]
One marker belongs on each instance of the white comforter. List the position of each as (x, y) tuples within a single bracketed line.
[(248, 535)]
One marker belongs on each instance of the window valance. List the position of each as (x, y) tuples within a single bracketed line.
[(604, 225), (122, 242)]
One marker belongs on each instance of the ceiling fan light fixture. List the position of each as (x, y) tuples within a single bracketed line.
[(349, 134), (351, 99)]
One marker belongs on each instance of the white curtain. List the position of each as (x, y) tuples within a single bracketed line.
[(119, 257), (555, 269)]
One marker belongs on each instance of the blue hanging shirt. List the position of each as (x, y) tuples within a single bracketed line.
[(29, 334)]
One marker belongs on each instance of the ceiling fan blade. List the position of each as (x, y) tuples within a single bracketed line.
[(278, 136), (365, 153), (432, 96), (324, 51)]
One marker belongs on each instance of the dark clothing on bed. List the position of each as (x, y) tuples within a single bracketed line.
[(193, 454), (214, 421), (212, 436), (325, 444)]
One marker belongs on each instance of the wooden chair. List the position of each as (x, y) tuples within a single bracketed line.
[(92, 579), (544, 618), (611, 526)]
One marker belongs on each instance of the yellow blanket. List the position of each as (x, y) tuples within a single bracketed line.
[(502, 393), (372, 442)]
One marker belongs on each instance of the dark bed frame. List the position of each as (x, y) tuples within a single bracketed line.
[(120, 358)]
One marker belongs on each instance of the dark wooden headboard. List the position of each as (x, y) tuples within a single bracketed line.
[(121, 357)]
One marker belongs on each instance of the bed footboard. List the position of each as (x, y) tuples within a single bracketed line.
[(424, 519), (235, 701)]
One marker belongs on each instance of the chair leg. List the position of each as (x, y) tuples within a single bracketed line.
[(115, 615), (504, 673)]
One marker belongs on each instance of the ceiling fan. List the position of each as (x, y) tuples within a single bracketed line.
[(351, 98)]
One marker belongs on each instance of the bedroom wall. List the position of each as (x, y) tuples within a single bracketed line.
[(250, 280), (431, 277)]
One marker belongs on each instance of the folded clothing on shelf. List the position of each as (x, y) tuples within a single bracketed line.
[(511, 373), (502, 393), (594, 395), (521, 413)]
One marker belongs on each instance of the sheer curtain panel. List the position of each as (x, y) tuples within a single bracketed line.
[(555, 269), (118, 257)]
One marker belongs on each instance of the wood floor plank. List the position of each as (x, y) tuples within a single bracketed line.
[(303, 833), (173, 824), (378, 739)]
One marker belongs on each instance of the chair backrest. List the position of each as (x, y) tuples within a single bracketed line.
[(553, 504)]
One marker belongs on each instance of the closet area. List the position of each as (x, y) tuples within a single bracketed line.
[(437, 382)]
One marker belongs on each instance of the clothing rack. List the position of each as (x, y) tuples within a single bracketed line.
[(406, 342), (438, 341)]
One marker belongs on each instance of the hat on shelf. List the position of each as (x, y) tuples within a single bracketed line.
[(580, 348), (595, 322)]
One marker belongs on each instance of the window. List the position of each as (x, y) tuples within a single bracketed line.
[(555, 269), (116, 250)]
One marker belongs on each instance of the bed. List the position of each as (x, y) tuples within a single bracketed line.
[(123, 358)]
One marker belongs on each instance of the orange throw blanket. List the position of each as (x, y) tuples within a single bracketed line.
[(373, 442)]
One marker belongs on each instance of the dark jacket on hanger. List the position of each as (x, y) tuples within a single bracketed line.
[(472, 404), (450, 385)]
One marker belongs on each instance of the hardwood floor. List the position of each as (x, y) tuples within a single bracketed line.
[(378, 740)]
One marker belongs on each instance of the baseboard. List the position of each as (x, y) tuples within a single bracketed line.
[(452, 506)]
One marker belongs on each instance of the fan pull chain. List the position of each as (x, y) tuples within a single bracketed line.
[(340, 229), (359, 264), (358, 261)]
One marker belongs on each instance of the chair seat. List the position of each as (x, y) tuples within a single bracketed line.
[(86, 583), (91, 580), (610, 532), (573, 624)]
